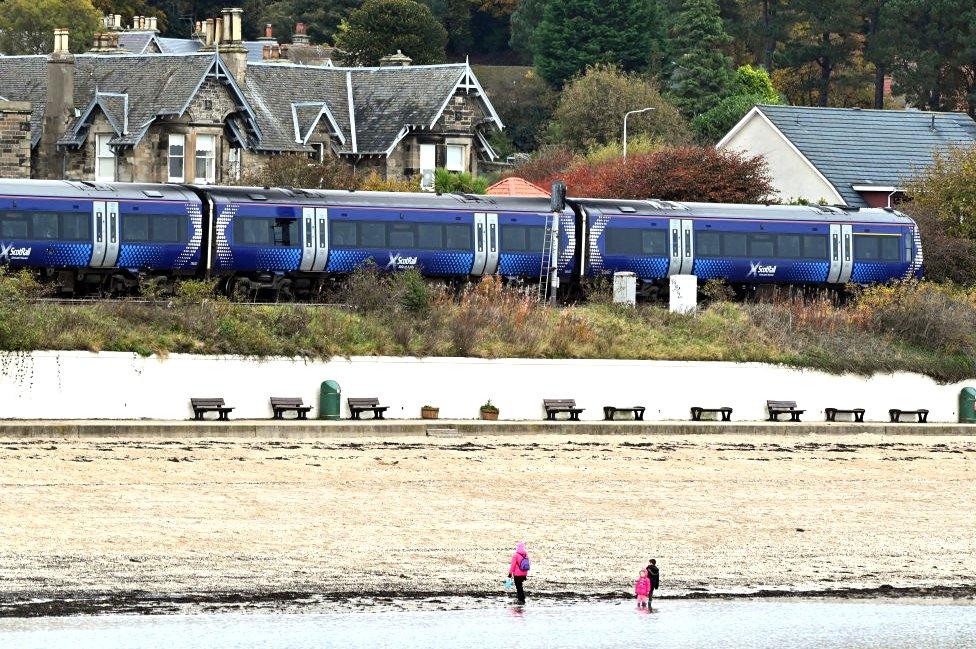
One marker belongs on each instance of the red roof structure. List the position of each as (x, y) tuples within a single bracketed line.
[(515, 187)]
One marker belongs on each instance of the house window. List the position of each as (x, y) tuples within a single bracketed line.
[(454, 158), (428, 162), (234, 162), (318, 152), (104, 159), (176, 148), (206, 171)]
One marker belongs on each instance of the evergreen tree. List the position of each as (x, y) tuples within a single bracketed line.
[(382, 27), (825, 36), (526, 18), (574, 34), (700, 70)]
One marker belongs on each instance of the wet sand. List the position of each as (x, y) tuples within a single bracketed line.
[(115, 525)]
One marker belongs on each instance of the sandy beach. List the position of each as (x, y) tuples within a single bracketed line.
[(273, 522)]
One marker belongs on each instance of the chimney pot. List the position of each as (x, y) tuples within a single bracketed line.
[(236, 18), (117, 23), (152, 23), (300, 37), (267, 30)]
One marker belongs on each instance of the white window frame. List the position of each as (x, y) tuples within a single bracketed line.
[(176, 139), (427, 170), (234, 162), (209, 175), (104, 163), (460, 165)]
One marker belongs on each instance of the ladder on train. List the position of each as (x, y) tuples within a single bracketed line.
[(545, 269)]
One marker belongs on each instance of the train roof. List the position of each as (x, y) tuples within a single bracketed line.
[(733, 211), (94, 190), (415, 200)]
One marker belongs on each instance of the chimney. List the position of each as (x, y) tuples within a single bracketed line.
[(232, 49), (299, 37), (268, 36), (218, 31), (152, 24), (58, 105), (198, 28), (398, 60), (117, 22), (208, 33)]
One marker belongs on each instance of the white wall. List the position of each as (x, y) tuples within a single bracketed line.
[(792, 176), (113, 385)]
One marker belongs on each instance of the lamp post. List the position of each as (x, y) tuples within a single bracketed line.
[(626, 115)]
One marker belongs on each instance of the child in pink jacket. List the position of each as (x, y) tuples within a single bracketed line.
[(642, 588)]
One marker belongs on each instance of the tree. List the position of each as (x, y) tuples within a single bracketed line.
[(523, 100), (321, 18), (129, 8), (525, 19), (936, 51), (28, 25), (948, 189), (825, 35), (750, 86), (675, 174), (382, 27), (575, 34), (700, 71), (591, 110)]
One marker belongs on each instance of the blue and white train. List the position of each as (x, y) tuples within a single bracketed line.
[(106, 238)]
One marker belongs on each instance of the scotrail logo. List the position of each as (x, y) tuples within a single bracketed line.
[(398, 261), (8, 253), (757, 269)]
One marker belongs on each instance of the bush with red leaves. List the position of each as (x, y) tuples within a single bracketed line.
[(675, 174)]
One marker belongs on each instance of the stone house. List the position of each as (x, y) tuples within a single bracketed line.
[(205, 116)]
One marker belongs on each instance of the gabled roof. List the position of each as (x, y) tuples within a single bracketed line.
[(874, 148), (139, 42), (514, 186), (372, 108)]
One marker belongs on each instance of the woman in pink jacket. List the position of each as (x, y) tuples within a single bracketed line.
[(642, 588), (518, 570)]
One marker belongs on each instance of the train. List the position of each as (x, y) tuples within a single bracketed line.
[(108, 238)]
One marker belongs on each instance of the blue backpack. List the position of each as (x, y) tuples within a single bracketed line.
[(524, 564)]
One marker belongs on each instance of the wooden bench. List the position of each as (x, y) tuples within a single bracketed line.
[(554, 406), (216, 404), (896, 413), (777, 408), (725, 411), (364, 404), (281, 405), (610, 411), (832, 413)]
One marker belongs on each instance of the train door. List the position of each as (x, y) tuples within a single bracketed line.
[(682, 246), (841, 251), (315, 239), (491, 261), (105, 234), (480, 243)]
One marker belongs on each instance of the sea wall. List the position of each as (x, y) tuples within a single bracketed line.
[(116, 385)]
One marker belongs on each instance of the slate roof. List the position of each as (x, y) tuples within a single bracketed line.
[(24, 78), (136, 42), (851, 146)]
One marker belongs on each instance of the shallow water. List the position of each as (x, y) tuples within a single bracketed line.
[(750, 624)]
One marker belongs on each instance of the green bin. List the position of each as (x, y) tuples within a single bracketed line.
[(330, 400), (967, 406)]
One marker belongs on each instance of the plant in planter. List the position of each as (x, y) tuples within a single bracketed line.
[(429, 412), (489, 411)]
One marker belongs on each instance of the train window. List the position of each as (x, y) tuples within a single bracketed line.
[(166, 228), (430, 236), (135, 228), (876, 248), (762, 245), (734, 244), (343, 234), (372, 235), (513, 238), (788, 246), (401, 235), (457, 236), (44, 225), (14, 226), (708, 244), (537, 235), (814, 246), (622, 241), (654, 243), (76, 227), (889, 249)]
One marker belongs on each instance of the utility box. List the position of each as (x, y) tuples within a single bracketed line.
[(967, 406), (684, 293), (330, 401), (625, 288)]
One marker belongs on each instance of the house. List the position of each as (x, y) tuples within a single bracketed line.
[(205, 116), (846, 156)]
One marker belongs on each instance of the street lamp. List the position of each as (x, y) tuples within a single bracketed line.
[(626, 115)]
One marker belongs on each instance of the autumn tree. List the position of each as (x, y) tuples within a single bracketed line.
[(575, 34), (750, 86), (591, 110), (28, 25), (382, 27), (700, 70)]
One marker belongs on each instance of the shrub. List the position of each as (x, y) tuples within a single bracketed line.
[(374, 183), (922, 314), (545, 164), (449, 182), (948, 189), (297, 170), (949, 257), (591, 110), (524, 101)]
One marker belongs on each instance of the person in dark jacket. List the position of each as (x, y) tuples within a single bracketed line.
[(654, 575)]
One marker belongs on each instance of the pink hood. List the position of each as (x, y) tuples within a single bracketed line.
[(515, 567), (643, 584)]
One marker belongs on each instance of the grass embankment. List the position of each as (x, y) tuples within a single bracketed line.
[(912, 327)]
